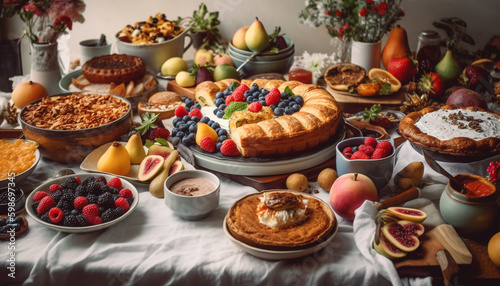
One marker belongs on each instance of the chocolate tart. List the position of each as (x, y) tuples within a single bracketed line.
[(114, 68)]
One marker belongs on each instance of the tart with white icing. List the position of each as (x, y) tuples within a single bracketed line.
[(469, 131)]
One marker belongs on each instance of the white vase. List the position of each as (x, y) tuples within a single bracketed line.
[(45, 66), (366, 55)]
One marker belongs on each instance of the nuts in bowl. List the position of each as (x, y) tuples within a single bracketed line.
[(68, 127)]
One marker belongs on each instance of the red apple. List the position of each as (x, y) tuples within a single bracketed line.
[(223, 59), (349, 192)]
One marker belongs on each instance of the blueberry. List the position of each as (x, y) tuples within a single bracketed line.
[(191, 122), (263, 102), (278, 111), (247, 93), (218, 145), (296, 107), (2, 222), (219, 95), (220, 113), (286, 101), (272, 106), (222, 106), (195, 119), (285, 95), (221, 131), (183, 98), (299, 100), (288, 110), (176, 121), (193, 128), (189, 102), (192, 137), (254, 87), (215, 125), (218, 101), (210, 122), (75, 212), (204, 119), (250, 99), (215, 111), (4, 229), (282, 104), (227, 92), (197, 105), (222, 138), (181, 134), (174, 131), (354, 149), (183, 127), (256, 93), (185, 140)]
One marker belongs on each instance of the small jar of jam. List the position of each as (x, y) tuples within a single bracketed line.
[(300, 74), (428, 47)]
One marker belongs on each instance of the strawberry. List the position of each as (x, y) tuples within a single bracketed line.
[(195, 112), (229, 99), (39, 195), (80, 202), (46, 203), (494, 170), (56, 215), (379, 154), (90, 212), (374, 117), (404, 69), (432, 84), (55, 187), (239, 95), (242, 87), (203, 73), (207, 144), (115, 183), (381, 121), (386, 146), (371, 141), (150, 121), (229, 148), (359, 155), (126, 193), (159, 133), (122, 203), (255, 106), (273, 97), (367, 149), (180, 111), (472, 74)]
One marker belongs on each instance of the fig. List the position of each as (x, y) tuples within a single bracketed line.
[(176, 167), (410, 214), (403, 234), (387, 249), (465, 97), (160, 150), (149, 167)]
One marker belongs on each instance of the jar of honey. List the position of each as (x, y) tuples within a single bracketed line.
[(428, 47), (473, 209)]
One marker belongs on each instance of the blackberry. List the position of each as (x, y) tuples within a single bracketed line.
[(34, 205), (45, 217), (68, 195), (57, 195), (92, 199), (131, 200), (101, 210), (108, 215), (96, 188), (81, 190), (105, 200), (70, 183), (82, 221), (87, 181), (118, 212), (65, 205), (112, 190), (70, 220)]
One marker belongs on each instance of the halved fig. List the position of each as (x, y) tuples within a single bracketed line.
[(176, 167), (410, 214), (403, 234), (163, 151), (150, 166), (387, 249)]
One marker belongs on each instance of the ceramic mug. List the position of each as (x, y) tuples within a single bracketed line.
[(90, 49)]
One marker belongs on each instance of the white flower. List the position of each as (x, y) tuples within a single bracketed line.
[(317, 63)]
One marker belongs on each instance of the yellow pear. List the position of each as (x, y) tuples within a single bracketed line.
[(135, 149), (156, 187), (203, 130), (256, 37), (115, 160), (238, 40), (203, 56)]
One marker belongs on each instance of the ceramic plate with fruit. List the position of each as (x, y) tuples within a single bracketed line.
[(81, 203), (376, 116)]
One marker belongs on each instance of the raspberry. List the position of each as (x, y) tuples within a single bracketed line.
[(78, 180), (371, 141), (55, 187), (80, 202), (115, 183), (379, 153), (207, 144), (238, 95), (90, 212), (159, 133), (229, 148), (56, 215), (229, 99), (195, 112), (46, 203), (367, 149), (385, 145), (255, 106), (126, 193), (347, 150), (96, 220), (39, 195), (180, 111), (359, 155), (242, 88), (122, 203), (273, 97), (347, 155)]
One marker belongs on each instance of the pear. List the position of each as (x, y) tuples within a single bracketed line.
[(115, 160), (397, 46), (135, 149), (156, 185), (256, 37), (448, 68), (238, 40)]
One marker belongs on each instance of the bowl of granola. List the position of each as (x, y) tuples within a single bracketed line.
[(69, 126)]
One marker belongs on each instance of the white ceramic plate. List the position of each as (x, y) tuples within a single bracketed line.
[(90, 163), (391, 131), (82, 229), (24, 175)]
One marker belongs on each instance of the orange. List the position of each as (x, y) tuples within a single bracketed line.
[(383, 77), (204, 130), (368, 89), (494, 249), (26, 92)]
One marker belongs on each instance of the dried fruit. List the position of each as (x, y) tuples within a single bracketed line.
[(403, 234), (387, 249), (410, 214), (149, 167)]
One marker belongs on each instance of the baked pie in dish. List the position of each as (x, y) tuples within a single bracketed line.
[(280, 220), (469, 131)]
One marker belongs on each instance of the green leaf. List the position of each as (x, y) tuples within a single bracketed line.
[(148, 143), (289, 91), (162, 141), (385, 89), (233, 107)]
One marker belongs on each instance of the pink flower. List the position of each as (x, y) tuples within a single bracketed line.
[(341, 33), (382, 8), (33, 8), (369, 2), (338, 13), (63, 20), (363, 12)]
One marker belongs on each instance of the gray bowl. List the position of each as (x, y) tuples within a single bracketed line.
[(192, 207), (19, 200), (262, 58), (288, 41), (378, 170), (281, 66)]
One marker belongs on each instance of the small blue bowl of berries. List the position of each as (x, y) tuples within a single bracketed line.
[(12, 200), (366, 155)]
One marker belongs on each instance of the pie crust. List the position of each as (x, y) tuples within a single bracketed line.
[(114, 69), (462, 146), (243, 223)]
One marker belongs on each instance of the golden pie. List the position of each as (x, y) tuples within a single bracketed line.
[(280, 220), (469, 131)]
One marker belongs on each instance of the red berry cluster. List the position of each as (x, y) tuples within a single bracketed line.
[(371, 149)]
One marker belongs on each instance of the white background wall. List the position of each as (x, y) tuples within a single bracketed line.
[(110, 16)]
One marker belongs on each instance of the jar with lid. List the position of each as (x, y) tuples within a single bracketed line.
[(428, 47)]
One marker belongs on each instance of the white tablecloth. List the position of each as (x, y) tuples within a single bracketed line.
[(153, 246)]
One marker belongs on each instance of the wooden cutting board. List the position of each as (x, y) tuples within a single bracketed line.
[(352, 104), (172, 85)]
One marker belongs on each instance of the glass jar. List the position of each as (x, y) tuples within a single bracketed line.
[(429, 47)]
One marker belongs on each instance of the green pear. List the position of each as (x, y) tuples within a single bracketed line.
[(448, 68), (256, 37), (224, 71), (135, 149)]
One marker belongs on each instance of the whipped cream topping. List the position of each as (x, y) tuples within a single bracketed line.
[(447, 124), (282, 218)]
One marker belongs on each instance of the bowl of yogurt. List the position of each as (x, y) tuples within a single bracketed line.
[(192, 194)]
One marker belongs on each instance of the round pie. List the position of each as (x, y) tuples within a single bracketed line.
[(254, 220), (344, 76), (469, 131), (114, 69)]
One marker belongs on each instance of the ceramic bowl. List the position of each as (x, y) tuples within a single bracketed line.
[(378, 170), (44, 187), (24, 175), (74, 145), (289, 42), (154, 55), (12, 200), (281, 66), (263, 58), (192, 207)]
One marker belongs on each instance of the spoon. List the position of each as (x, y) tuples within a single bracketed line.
[(247, 61), (64, 172), (454, 183)]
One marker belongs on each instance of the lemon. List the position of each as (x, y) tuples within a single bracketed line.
[(185, 79), (173, 66), (383, 76)]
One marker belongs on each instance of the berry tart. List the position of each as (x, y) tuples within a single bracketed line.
[(469, 131)]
